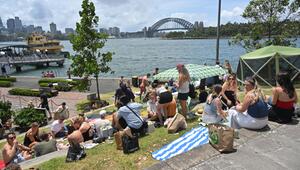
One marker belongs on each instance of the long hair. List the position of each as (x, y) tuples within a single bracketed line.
[(257, 91), (185, 73), (285, 82), (234, 83), (217, 89)]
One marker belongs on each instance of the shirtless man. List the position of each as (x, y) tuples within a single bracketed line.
[(13, 152)]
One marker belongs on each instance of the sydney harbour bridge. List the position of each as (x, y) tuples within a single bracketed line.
[(168, 24)]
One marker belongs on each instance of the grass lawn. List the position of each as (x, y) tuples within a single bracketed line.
[(106, 156)]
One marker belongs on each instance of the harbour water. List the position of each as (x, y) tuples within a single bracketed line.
[(140, 56)]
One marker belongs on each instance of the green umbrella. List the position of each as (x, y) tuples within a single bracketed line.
[(196, 71)]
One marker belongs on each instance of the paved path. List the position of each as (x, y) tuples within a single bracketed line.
[(71, 98), (277, 148), (105, 84)]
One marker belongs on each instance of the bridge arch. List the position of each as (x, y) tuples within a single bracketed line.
[(155, 27)]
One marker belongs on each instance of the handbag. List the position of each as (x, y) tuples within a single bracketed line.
[(177, 123), (144, 127), (221, 137), (130, 144)]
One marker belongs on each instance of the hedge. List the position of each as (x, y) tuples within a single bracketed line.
[(5, 83), (56, 80), (26, 92), (11, 79)]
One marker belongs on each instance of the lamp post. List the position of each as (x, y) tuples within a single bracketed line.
[(218, 33)]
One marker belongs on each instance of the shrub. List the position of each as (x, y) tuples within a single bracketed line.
[(5, 83), (43, 84), (84, 105), (87, 105), (62, 88), (26, 116), (11, 79), (5, 111), (66, 87), (24, 92)]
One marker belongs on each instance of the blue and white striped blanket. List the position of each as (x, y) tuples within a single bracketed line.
[(194, 138)]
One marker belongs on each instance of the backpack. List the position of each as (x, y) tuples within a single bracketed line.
[(192, 92), (75, 152)]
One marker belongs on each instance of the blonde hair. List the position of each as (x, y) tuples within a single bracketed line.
[(257, 90), (185, 74)]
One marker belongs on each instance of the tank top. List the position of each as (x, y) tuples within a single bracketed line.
[(285, 105), (185, 88), (210, 109), (258, 109)]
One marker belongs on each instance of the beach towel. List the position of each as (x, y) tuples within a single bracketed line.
[(192, 139)]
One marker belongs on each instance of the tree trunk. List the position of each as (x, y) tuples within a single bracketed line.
[(97, 84)]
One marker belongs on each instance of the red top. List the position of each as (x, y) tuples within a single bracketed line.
[(285, 105)]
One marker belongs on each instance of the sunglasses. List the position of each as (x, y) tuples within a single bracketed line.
[(12, 137), (230, 78)]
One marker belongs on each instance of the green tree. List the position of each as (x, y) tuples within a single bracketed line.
[(272, 19), (87, 42)]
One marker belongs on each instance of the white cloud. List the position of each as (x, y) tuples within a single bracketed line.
[(236, 11), (129, 15)]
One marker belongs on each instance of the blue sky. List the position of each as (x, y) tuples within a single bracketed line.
[(129, 15)]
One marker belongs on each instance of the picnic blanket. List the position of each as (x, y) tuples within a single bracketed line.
[(194, 138)]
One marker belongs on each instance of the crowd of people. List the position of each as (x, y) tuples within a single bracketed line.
[(221, 105)]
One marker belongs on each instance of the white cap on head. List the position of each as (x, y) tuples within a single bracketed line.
[(102, 113)]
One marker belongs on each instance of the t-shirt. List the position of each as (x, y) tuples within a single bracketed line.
[(45, 147), (101, 124), (56, 126), (152, 106), (131, 119), (44, 99)]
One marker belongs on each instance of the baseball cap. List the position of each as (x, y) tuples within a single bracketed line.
[(102, 112)]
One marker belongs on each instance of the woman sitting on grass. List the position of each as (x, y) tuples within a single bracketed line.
[(252, 113), (283, 99), (32, 135), (213, 112), (229, 91)]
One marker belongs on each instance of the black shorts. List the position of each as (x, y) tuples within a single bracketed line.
[(165, 97), (183, 96)]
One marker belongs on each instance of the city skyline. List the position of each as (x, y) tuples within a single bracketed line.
[(128, 15)]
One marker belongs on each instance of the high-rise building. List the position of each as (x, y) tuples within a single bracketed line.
[(53, 28), (69, 31), (201, 25), (114, 31), (10, 25), (103, 30), (18, 25), (38, 29), (1, 23), (30, 29)]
